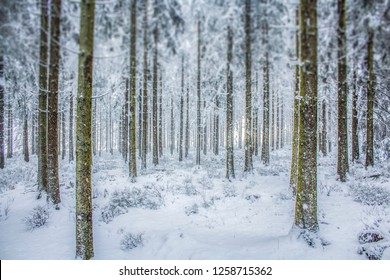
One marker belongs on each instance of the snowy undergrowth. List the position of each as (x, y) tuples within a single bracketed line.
[(183, 211)]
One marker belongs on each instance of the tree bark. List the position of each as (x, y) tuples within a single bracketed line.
[(229, 109), (52, 150), (145, 90), (155, 92), (181, 134), (187, 137), (248, 164), (370, 101), (2, 158), (198, 112), (84, 235), (42, 98), (306, 197), (71, 151), (342, 151), (25, 137)]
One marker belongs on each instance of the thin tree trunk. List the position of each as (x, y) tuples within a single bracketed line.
[(324, 135), (273, 121), (25, 137), (63, 133), (216, 126), (172, 128), (84, 230), (42, 98), (248, 166), (94, 123), (2, 158), (187, 137), (155, 91), (145, 90), (160, 117), (181, 135), (10, 130), (295, 133), (265, 157), (204, 129), (198, 113), (52, 151), (342, 151), (126, 122), (370, 101), (71, 151), (355, 121), (306, 198), (229, 109), (277, 128)]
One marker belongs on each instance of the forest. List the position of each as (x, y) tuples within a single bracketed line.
[(195, 129)]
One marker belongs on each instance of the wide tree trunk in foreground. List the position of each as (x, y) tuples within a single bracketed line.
[(306, 192), (84, 235)]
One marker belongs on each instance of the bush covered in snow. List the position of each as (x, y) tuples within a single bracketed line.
[(37, 218), (131, 241), (147, 198), (193, 209), (370, 194)]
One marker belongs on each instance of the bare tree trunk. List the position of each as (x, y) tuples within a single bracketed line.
[(71, 151), (160, 117), (370, 101), (94, 123), (355, 121), (295, 133), (324, 135), (198, 113), (248, 166), (306, 198), (187, 137), (25, 137), (2, 160), (10, 133), (265, 158), (42, 98), (84, 229), (63, 133), (342, 155), (145, 90), (204, 129), (273, 121), (216, 126), (52, 151), (155, 90), (181, 135), (172, 128), (125, 140), (277, 128), (229, 109)]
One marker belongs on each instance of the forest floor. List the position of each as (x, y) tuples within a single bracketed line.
[(183, 211)]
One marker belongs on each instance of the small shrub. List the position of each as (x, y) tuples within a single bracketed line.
[(193, 209), (369, 194), (229, 191), (37, 218), (148, 198), (131, 241)]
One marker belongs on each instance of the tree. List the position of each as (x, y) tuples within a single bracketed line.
[(187, 136), (133, 92), (266, 106), (84, 236), (2, 161), (370, 100), (306, 197), (71, 152), (25, 137), (181, 133), (229, 108), (144, 140), (248, 165), (155, 90), (52, 115), (198, 113), (42, 98), (342, 125)]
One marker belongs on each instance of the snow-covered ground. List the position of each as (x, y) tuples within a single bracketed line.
[(182, 211)]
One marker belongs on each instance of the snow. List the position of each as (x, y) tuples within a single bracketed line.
[(202, 215)]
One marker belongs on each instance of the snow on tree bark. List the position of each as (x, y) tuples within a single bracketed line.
[(306, 191), (84, 235)]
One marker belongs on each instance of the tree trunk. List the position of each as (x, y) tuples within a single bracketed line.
[(273, 121), (198, 113), (2, 160), (342, 151), (187, 137), (370, 101), (324, 135), (71, 152), (277, 128), (155, 92), (306, 198), (84, 235), (63, 133), (266, 108), (204, 129), (52, 151), (172, 128), (10, 132), (126, 122), (25, 137), (355, 121), (248, 165), (229, 109), (145, 90), (181, 128), (216, 126), (42, 98), (160, 116), (295, 133), (94, 123)]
